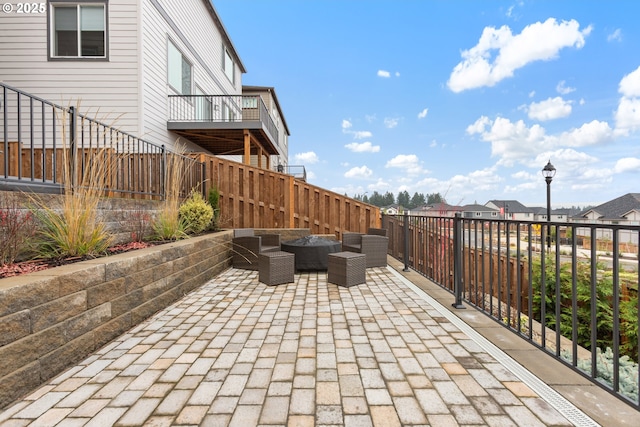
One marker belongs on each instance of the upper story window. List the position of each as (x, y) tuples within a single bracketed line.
[(179, 70), (228, 66), (78, 30)]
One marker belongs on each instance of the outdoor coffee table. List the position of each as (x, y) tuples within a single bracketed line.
[(311, 252)]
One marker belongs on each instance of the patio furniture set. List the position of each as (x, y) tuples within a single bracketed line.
[(277, 262)]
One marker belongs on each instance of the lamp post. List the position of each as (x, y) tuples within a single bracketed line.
[(548, 172)]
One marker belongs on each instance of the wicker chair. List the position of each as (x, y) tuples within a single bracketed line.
[(374, 245), (247, 246)]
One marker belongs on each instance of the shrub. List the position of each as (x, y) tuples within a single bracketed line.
[(75, 228), (195, 213), (17, 228), (628, 371), (137, 224), (167, 225), (214, 201)]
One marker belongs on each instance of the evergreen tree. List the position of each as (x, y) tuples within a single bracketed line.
[(417, 200), (403, 199)]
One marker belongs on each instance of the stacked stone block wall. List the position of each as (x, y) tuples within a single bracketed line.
[(54, 318)]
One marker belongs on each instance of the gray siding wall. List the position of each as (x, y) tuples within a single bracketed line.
[(105, 90)]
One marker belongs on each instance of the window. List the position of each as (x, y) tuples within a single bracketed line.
[(228, 66), (204, 106), (179, 70), (78, 30), (228, 115)]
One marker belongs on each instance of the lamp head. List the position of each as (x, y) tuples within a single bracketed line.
[(549, 171)]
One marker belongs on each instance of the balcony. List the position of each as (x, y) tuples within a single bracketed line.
[(224, 124)]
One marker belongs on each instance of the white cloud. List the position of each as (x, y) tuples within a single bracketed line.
[(422, 114), (384, 73), (540, 41), (615, 36), (397, 74), (627, 116), (357, 134), (592, 133), (564, 90), (630, 84), (408, 162), (549, 109), (361, 134), (364, 147), (306, 158), (516, 142), (391, 122), (627, 164), (361, 172)]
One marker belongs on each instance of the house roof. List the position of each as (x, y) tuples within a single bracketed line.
[(225, 36), (477, 208), (514, 206), (616, 208)]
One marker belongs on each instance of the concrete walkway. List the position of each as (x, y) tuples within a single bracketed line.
[(239, 353)]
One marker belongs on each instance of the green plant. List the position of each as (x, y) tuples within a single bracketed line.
[(584, 300), (195, 213), (214, 201), (17, 228), (136, 223), (627, 372), (168, 225)]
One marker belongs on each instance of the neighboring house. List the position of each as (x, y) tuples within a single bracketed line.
[(392, 210), (512, 209), (475, 211), (158, 69), (559, 215), (437, 210), (624, 210)]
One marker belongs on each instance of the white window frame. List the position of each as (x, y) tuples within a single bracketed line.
[(172, 74), (204, 106), (228, 65), (104, 27)]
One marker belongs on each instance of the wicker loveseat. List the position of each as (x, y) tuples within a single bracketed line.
[(247, 246), (374, 245)]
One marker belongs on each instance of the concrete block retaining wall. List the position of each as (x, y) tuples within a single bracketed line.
[(54, 318)]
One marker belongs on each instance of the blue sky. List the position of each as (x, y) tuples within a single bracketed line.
[(468, 99)]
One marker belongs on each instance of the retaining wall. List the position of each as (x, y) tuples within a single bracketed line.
[(50, 320)]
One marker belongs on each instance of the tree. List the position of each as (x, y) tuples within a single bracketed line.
[(434, 198), (403, 199), (417, 200)]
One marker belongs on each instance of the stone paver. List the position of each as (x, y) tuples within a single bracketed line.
[(239, 353)]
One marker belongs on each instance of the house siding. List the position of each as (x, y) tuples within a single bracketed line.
[(190, 27), (100, 89)]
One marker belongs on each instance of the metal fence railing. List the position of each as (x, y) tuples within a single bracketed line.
[(570, 289), (45, 146), (222, 108)]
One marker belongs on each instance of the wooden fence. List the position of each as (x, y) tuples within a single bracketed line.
[(251, 197)]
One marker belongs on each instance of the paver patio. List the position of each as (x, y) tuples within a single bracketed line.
[(239, 353)]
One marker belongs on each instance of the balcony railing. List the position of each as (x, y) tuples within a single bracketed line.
[(43, 144), (222, 109), (561, 286)]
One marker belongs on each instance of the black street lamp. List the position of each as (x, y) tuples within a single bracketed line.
[(548, 172)]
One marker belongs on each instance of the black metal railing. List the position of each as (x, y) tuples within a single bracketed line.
[(222, 109), (570, 289), (44, 146), (297, 171)]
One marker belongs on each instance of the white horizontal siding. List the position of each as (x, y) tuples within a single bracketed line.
[(108, 89), (189, 25)]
